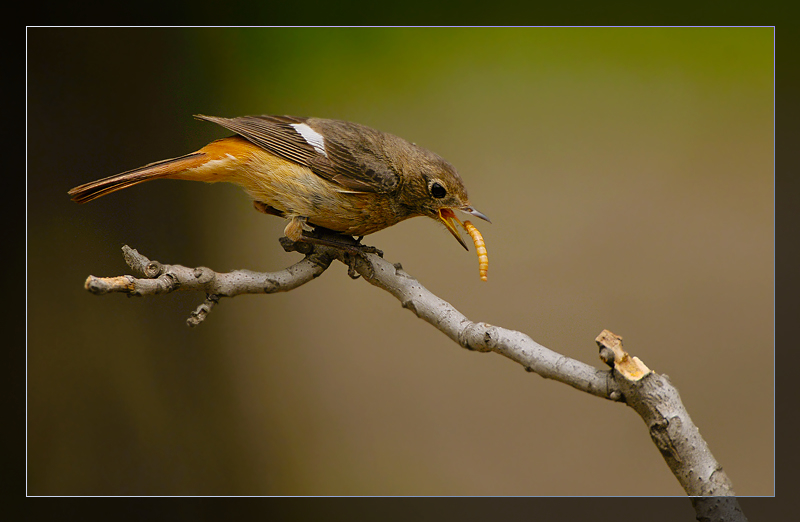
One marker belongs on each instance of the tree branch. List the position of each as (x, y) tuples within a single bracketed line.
[(651, 395), (161, 279)]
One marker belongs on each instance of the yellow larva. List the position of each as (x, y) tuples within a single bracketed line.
[(480, 247)]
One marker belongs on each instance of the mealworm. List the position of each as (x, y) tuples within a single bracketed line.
[(480, 247)]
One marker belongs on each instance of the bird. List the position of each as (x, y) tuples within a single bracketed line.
[(315, 172)]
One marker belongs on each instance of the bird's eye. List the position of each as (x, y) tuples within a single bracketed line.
[(437, 190)]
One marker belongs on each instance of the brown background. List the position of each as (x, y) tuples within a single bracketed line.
[(629, 176)]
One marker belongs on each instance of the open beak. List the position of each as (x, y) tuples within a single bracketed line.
[(448, 217)]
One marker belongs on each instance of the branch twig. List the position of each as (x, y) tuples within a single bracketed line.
[(161, 279), (651, 395)]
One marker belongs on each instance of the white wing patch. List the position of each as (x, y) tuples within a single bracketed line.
[(312, 137)]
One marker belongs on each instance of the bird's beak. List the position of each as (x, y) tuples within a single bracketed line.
[(469, 210), (449, 219)]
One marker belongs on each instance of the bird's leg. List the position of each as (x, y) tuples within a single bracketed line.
[(298, 229), (322, 236)]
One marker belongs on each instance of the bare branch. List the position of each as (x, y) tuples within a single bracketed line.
[(484, 337), (161, 279), (629, 380)]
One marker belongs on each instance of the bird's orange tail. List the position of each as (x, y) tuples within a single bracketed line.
[(160, 169)]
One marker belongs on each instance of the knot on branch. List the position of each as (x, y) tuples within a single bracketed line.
[(662, 433), (152, 269), (477, 337), (203, 275)]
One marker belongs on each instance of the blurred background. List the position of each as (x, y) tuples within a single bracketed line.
[(629, 177)]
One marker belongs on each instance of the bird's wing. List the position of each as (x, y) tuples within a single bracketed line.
[(348, 154)]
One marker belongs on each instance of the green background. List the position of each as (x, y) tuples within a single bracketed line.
[(628, 173)]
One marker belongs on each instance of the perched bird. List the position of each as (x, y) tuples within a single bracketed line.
[(315, 172)]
